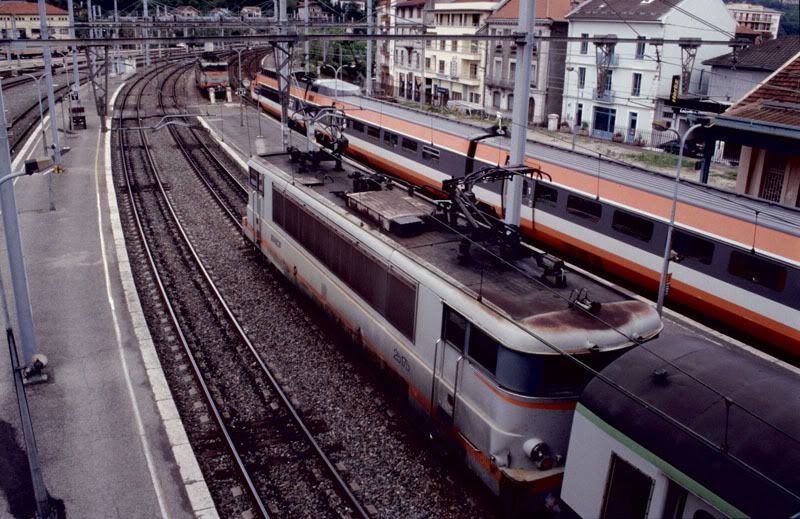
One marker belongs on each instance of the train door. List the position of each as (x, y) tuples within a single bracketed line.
[(449, 361)]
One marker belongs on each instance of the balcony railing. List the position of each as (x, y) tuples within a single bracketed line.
[(606, 97), (496, 82)]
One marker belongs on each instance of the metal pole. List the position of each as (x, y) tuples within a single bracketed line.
[(519, 117), (76, 80), (662, 284), (422, 86), (51, 98), (39, 488), (306, 43), (14, 31), (146, 35), (369, 49), (116, 35), (284, 73), (16, 259), (41, 112)]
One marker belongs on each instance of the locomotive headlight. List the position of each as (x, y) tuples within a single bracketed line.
[(539, 453)]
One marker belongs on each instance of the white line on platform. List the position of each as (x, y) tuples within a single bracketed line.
[(117, 332)]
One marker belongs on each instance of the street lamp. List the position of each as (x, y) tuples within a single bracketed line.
[(36, 80), (337, 76), (662, 285)]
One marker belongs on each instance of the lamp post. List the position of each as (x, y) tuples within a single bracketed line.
[(337, 76), (36, 80), (44, 135), (662, 285)]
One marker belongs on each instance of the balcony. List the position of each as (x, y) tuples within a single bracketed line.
[(495, 82), (605, 97)]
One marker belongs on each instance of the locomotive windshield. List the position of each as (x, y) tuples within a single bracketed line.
[(214, 67), (541, 375)]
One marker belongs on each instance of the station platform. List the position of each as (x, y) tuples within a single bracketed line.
[(109, 438)]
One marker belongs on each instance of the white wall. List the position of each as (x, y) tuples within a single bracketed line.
[(728, 86)]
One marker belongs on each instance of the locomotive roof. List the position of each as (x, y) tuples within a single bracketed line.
[(512, 288), (689, 379), (785, 219)]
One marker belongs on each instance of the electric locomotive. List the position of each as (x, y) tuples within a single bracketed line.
[(489, 337), (211, 73)]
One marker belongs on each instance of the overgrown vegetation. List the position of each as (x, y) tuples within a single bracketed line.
[(662, 160)]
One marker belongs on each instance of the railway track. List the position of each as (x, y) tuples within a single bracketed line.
[(277, 459), (224, 186)]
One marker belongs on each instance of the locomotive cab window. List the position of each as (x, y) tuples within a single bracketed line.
[(253, 177), (628, 490), (482, 349), (455, 328), (758, 270), (631, 225), (584, 208)]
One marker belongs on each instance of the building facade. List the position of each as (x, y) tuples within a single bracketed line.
[(409, 54), (25, 16), (757, 18), (547, 69), (455, 69), (617, 90)]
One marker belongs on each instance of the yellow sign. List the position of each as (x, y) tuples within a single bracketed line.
[(675, 90)]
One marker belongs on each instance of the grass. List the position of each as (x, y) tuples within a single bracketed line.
[(662, 160)]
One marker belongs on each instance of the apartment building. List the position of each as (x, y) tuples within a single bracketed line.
[(619, 89), (757, 18), (455, 69), (408, 54), (547, 69)]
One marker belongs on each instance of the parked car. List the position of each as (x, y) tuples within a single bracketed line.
[(691, 149)]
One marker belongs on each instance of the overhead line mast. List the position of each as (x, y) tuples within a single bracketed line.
[(519, 115)]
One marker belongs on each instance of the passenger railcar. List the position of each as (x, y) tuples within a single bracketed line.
[(474, 338), (211, 73), (736, 259), (728, 447)]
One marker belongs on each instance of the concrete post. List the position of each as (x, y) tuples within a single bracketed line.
[(16, 259)]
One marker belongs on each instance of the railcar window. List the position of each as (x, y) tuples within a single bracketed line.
[(547, 194), (455, 328), (690, 246), (409, 145), (358, 126), (757, 270), (584, 208), (253, 178), (628, 490), (430, 153), (373, 132), (390, 139), (631, 225), (482, 349)]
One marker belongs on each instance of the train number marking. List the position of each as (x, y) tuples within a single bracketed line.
[(401, 360)]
